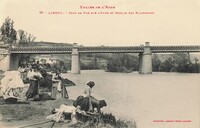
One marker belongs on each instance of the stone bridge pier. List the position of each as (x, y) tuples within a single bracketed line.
[(9, 61), (14, 61), (75, 60), (145, 60)]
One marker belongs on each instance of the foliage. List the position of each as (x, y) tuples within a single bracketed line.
[(107, 120), (26, 59), (89, 66), (11, 37), (25, 37), (122, 63), (93, 61), (167, 65), (7, 32), (178, 62), (60, 65), (156, 62)]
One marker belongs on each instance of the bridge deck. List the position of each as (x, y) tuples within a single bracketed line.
[(105, 49)]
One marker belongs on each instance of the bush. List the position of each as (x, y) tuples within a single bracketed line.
[(123, 63), (178, 62), (107, 120)]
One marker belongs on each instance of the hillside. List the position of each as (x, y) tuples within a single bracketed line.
[(44, 44)]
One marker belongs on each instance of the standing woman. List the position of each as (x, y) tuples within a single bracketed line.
[(61, 87)]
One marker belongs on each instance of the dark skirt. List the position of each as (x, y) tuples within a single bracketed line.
[(46, 83), (83, 102), (33, 89)]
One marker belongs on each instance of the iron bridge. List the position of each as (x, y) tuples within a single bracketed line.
[(106, 49)]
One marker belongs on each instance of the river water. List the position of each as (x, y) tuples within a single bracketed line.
[(159, 100)]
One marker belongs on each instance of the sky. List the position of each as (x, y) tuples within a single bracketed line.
[(172, 22)]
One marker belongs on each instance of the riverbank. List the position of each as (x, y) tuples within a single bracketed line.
[(17, 115), (13, 115)]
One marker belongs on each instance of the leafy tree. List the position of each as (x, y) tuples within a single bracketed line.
[(24, 37), (156, 62), (181, 61), (122, 63), (167, 65), (7, 32)]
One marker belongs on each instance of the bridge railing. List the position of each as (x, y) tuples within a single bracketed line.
[(110, 49), (195, 48), (41, 50), (106, 49)]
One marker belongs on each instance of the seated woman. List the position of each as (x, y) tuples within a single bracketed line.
[(34, 76), (46, 81), (88, 93)]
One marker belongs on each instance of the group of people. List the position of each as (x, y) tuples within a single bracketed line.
[(12, 84), (40, 78), (83, 105)]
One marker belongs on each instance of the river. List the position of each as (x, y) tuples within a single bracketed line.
[(159, 100)]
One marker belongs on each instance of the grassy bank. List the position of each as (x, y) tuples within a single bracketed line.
[(15, 114)]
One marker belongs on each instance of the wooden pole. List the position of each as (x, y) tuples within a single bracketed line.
[(28, 125)]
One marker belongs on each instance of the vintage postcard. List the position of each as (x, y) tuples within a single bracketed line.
[(100, 63)]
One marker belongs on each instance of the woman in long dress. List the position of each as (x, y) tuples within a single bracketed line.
[(33, 76)]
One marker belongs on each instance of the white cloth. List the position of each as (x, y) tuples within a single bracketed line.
[(67, 109), (59, 117), (31, 74), (16, 81), (5, 84), (10, 82)]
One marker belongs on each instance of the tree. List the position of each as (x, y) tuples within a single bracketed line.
[(8, 33), (181, 62), (167, 65), (156, 62), (24, 37), (122, 63), (31, 38)]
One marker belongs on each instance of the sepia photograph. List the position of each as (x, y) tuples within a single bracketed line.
[(99, 64)]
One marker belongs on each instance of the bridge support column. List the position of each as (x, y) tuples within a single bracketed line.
[(5, 62), (140, 62), (14, 61), (145, 60), (75, 60)]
